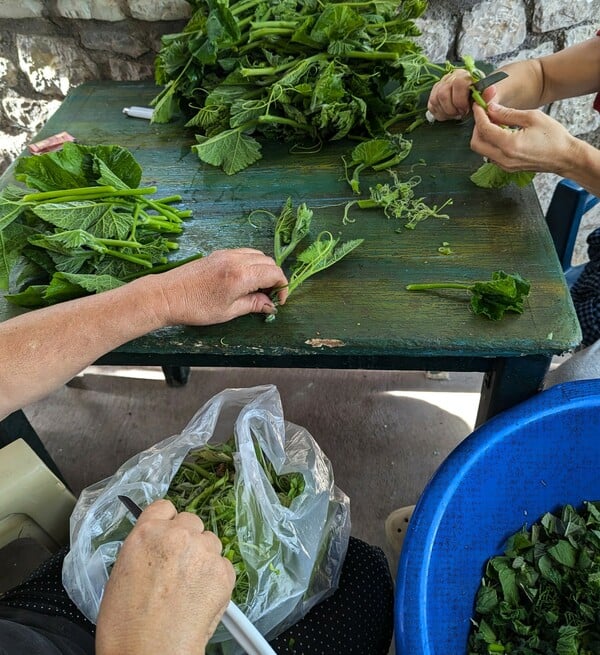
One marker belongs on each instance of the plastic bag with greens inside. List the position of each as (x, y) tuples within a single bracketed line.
[(293, 555)]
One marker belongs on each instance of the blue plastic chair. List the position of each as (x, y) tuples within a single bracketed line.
[(568, 205), (524, 462)]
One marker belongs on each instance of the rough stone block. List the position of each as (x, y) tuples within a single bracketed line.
[(551, 15), (129, 70), (108, 10), (436, 37), (27, 113), (54, 65), (96, 36), (159, 9), (21, 9), (492, 28), (576, 114)]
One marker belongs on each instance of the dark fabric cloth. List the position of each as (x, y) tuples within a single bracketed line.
[(38, 617), (586, 292)]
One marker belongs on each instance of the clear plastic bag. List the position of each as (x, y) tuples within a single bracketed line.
[(305, 543)]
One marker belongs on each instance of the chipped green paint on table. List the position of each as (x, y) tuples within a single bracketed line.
[(356, 314)]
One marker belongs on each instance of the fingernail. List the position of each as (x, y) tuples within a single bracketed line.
[(494, 106), (458, 117), (269, 308)]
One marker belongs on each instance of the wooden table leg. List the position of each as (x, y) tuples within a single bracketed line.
[(17, 426), (509, 382)]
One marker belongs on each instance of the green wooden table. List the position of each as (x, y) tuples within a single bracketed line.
[(356, 314)]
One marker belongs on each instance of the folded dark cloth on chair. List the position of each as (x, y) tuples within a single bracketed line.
[(586, 292)]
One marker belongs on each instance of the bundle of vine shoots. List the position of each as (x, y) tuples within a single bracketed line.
[(204, 485)]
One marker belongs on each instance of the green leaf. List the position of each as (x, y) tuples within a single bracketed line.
[(31, 297), (232, 150), (99, 218), (564, 553), (12, 241), (9, 211), (91, 283), (491, 176), (166, 104), (77, 165)]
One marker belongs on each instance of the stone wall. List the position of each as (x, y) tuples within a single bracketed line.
[(48, 46)]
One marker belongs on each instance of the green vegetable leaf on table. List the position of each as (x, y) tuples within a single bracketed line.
[(398, 200), (83, 226), (503, 293), (491, 176), (378, 154), (291, 228)]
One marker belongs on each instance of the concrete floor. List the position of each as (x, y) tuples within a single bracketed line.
[(384, 432)]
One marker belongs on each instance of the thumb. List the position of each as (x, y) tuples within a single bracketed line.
[(508, 116)]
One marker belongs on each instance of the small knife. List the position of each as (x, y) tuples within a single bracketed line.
[(236, 622), (488, 80)]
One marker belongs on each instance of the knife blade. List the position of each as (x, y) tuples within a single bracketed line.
[(237, 623), (133, 507), (488, 80)]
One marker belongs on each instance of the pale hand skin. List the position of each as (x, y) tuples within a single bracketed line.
[(42, 349), (168, 588), (541, 144)]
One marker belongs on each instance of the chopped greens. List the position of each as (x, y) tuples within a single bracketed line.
[(87, 227), (305, 72), (542, 597), (398, 200), (503, 293), (204, 485)]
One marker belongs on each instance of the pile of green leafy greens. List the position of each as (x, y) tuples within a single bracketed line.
[(542, 597), (303, 71), (503, 293), (88, 227), (204, 485)]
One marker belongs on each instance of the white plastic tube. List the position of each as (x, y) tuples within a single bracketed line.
[(139, 112), (244, 632)]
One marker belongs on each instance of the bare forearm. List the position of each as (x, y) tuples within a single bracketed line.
[(534, 83), (45, 348), (584, 167)]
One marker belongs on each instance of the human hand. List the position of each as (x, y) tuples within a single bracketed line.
[(217, 288), (450, 98), (541, 144), (168, 588)]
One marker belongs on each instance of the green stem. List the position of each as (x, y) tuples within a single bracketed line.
[(435, 285), (163, 268), (269, 71), (119, 243), (243, 6), (257, 35), (372, 56), (80, 191), (280, 120), (164, 211), (129, 258), (169, 199), (478, 98)]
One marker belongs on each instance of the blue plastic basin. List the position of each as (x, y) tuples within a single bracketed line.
[(531, 459)]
